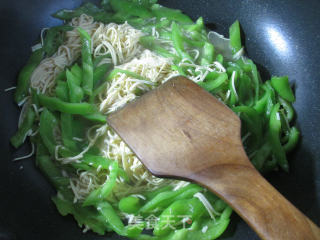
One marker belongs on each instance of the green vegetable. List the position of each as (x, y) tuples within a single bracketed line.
[(112, 218), (277, 149), (261, 156), (51, 170), (88, 161), (101, 193), (130, 204), (177, 41), (164, 199), (207, 54), (55, 104), (84, 216), (131, 8), (112, 75), (96, 117), (192, 207), (171, 14), (255, 78), (87, 8), (26, 126), (293, 139), (24, 75), (87, 65), (67, 132), (77, 73), (150, 43), (62, 91), (99, 73), (235, 38), (288, 109), (54, 38), (252, 120), (281, 85), (49, 126), (75, 91)]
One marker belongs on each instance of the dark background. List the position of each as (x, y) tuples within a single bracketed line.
[(282, 36)]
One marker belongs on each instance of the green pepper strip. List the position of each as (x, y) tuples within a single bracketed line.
[(275, 127), (54, 38), (235, 38), (271, 99), (256, 79), (179, 69), (61, 76), (87, 65), (288, 109), (48, 126), (261, 156), (212, 84), (111, 75), (115, 222), (215, 229), (84, 216), (197, 44), (171, 14), (25, 74), (88, 161), (100, 72), (112, 218), (129, 204), (190, 207), (152, 194), (197, 27), (130, 7), (77, 73), (34, 97), (98, 59), (207, 54), (18, 139), (96, 117), (219, 205), (87, 8), (75, 91), (245, 92), (177, 39), (56, 104), (261, 104), (62, 91), (67, 134), (281, 85), (293, 139), (150, 43), (105, 4), (102, 192), (50, 169), (219, 58), (253, 119), (164, 199)]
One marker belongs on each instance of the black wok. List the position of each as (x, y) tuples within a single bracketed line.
[(282, 37)]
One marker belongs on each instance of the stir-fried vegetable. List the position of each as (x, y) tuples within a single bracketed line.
[(80, 165)]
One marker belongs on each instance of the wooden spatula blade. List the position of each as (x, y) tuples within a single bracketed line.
[(179, 120), (180, 130)]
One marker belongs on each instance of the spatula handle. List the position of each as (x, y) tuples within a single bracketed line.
[(258, 202)]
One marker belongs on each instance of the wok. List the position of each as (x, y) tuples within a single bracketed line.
[(282, 37)]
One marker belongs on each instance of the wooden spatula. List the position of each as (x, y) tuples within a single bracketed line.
[(181, 131)]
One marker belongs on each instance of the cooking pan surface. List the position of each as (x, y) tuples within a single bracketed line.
[(282, 37)]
